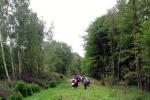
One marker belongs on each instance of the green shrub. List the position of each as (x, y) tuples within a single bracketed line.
[(26, 89), (61, 76), (131, 78), (111, 80), (50, 84), (29, 90), (12, 84), (35, 88), (22, 88), (58, 82), (15, 96), (141, 97)]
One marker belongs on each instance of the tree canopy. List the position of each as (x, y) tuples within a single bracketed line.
[(117, 44)]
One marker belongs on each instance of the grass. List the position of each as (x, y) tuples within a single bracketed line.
[(95, 92)]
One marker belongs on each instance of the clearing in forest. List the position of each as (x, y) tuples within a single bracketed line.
[(64, 91)]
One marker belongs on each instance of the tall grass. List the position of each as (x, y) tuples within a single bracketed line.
[(95, 92)]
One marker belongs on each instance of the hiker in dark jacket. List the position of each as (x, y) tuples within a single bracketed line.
[(86, 82), (78, 78)]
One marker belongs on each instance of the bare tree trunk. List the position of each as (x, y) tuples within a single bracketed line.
[(12, 63), (112, 52), (119, 63), (138, 73), (4, 62), (37, 68), (19, 67)]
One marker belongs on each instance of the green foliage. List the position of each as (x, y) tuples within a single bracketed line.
[(26, 89), (96, 46), (15, 96), (52, 83), (145, 38), (95, 92), (112, 80), (29, 90), (118, 43), (22, 88), (131, 77), (12, 84), (75, 64), (26, 40), (28, 44), (113, 93), (35, 88), (52, 76), (58, 57)]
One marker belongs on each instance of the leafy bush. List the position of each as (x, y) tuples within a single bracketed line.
[(58, 82), (15, 96), (51, 84), (61, 76), (22, 88), (111, 80), (26, 89), (131, 78), (35, 88), (29, 90), (12, 84)]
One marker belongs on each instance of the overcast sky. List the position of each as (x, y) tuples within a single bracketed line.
[(71, 18)]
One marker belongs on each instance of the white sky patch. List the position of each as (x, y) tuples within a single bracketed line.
[(71, 18)]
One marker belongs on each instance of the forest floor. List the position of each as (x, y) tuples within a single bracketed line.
[(64, 91)]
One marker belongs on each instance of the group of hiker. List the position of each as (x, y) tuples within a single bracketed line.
[(78, 78)]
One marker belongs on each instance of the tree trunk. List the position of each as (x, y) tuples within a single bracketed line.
[(119, 63), (113, 31), (37, 68), (12, 63), (104, 61), (19, 65), (136, 46), (138, 73), (112, 50), (4, 62), (102, 79)]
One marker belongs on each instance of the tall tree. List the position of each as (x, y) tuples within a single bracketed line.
[(58, 57), (136, 42), (2, 3), (9, 22)]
